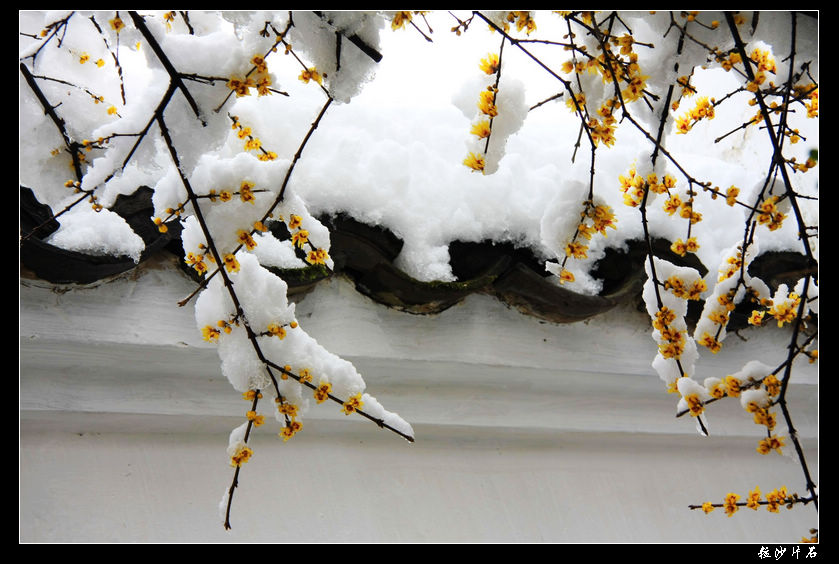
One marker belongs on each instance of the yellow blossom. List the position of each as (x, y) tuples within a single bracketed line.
[(246, 239), (732, 386), (481, 129), (250, 395), (352, 404), (242, 456), (489, 64), (769, 444), (318, 256), (260, 64), (322, 392), (475, 162), (400, 19), (230, 263), (311, 74), (257, 419), (772, 385), (210, 333), (294, 221), (576, 250), (709, 341), (240, 86), (276, 330), (300, 238), (116, 24), (753, 501), (286, 408), (695, 405), (246, 192), (565, 276), (730, 504), (707, 507), (486, 103), (289, 431)]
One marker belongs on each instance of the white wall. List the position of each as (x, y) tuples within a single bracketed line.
[(526, 431)]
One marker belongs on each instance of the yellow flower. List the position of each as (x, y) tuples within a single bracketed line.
[(664, 317), (287, 432), (276, 331), (225, 195), (486, 103), (753, 502), (318, 256), (730, 504), (246, 239), (695, 405), (300, 238), (772, 384), (576, 250), (160, 225), (116, 24), (246, 192), (709, 341), (305, 375), (707, 507), (294, 221), (240, 86), (253, 144), (565, 276), (250, 395), (352, 404), (256, 418), (311, 74), (400, 19), (83, 58), (262, 86), (100, 63), (242, 456), (475, 162), (769, 444), (244, 132), (287, 409), (481, 129), (230, 263), (732, 385), (322, 392), (259, 63), (211, 334), (679, 247), (490, 64)]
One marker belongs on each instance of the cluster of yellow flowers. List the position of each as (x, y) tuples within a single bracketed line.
[(258, 78), (311, 74), (212, 334), (290, 411), (593, 219), (300, 238), (354, 403), (482, 128), (769, 215), (252, 143), (523, 20), (774, 500), (704, 109), (672, 340), (783, 306), (765, 63), (241, 457), (400, 19)]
